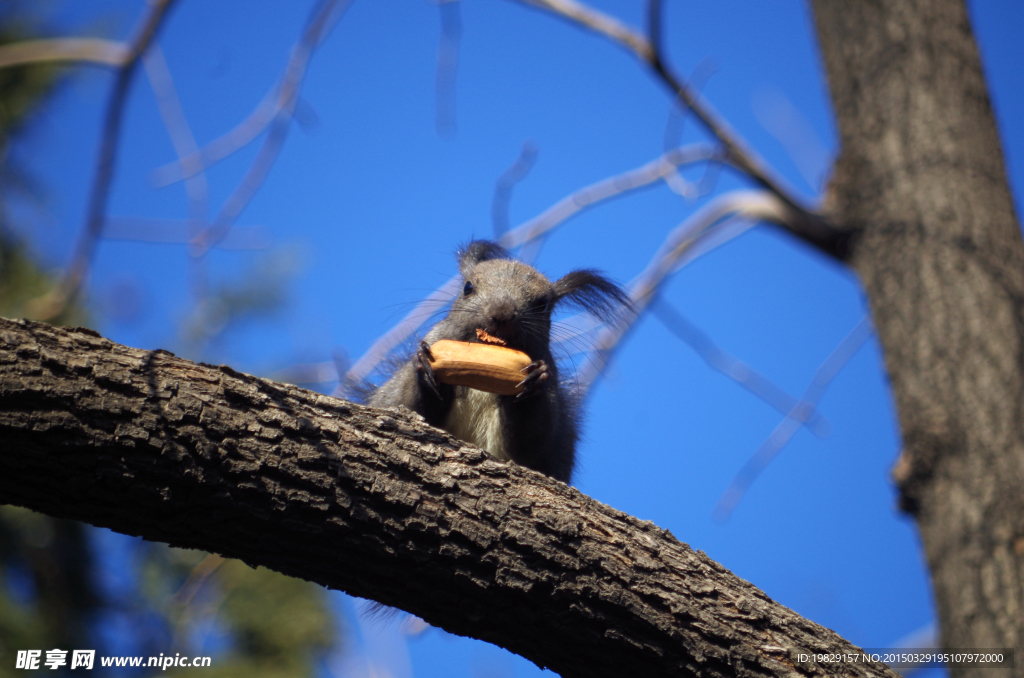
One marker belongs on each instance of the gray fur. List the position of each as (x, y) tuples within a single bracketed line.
[(513, 301)]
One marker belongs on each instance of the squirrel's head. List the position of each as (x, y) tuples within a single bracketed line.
[(513, 302)]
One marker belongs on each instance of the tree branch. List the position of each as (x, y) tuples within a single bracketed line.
[(599, 23), (807, 225), (86, 50), (378, 504)]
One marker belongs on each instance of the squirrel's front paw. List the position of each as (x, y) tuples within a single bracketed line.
[(537, 374), (423, 359)]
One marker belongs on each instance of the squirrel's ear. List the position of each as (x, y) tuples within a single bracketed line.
[(475, 251), (592, 292)]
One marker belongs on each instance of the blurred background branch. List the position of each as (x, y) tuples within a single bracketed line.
[(54, 303), (85, 50)]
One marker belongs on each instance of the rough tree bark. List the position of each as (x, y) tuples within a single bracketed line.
[(376, 503), (920, 190)]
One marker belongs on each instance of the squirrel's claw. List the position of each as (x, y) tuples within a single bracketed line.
[(537, 373), (423, 360)]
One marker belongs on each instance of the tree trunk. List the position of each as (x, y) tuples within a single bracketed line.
[(920, 190), (378, 504)]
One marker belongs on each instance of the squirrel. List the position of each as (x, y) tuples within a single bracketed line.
[(510, 300)]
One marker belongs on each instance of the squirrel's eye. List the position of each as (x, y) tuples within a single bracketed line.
[(467, 289), (541, 305)]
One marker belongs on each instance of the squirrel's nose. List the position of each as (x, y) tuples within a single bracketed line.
[(503, 314)]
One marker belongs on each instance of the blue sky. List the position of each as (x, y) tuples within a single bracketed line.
[(366, 203)]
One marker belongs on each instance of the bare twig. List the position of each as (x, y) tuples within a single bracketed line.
[(599, 23), (447, 66), (788, 427), (804, 223), (85, 50), (737, 370), (188, 611), (184, 142), (197, 577), (606, 189), (280, 101), (56, 301), (787, 124), (180, 232), (506, 182), (673, 134)]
